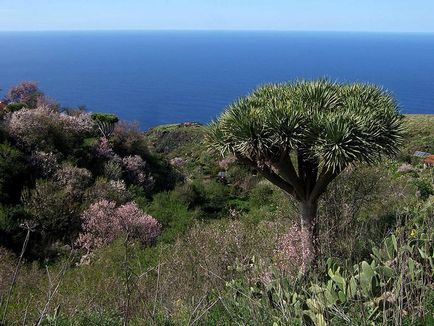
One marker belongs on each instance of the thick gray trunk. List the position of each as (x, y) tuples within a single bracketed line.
[(309, 229)]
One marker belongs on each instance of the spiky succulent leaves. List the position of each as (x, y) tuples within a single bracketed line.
[(320, 127)]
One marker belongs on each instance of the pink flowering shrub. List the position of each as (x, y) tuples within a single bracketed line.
[(26, 93), (405, 168), (31, 127), (103, 222), (72, 179), (44, 162), (100, 225), (104, 149), (112, 190), (127, 139), (290, 251), (78, 123), (226, 162), (43, 127), (137, 224), (136, 170)]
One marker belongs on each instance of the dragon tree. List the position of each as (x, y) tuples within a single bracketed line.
[(302, 135)]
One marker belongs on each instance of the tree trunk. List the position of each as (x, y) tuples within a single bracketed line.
[(309, 233)]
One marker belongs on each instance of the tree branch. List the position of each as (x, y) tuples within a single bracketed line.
[(323, 181), (269, 174), (287, 171)]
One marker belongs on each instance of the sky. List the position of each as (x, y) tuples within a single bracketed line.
[(303, 15)]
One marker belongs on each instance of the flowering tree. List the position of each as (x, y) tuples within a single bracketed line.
[(77, 123), (45, 162), (104, 149), (73, 180), (40, 127), (136, 170), (137, 224), (26, 93), (31, 127), (103, 222)]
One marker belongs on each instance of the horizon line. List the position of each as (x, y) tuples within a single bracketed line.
[(214, 30)]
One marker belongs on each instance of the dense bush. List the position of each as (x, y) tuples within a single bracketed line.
[(45, 129), (127, 140), (103, 222), (172, 213), (111, 190), (14, 172), (25, 93), (54, 210), (424, 188)]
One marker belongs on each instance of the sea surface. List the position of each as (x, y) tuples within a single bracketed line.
[(156, 77)]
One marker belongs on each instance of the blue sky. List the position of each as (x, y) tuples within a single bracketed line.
[(313, 15)]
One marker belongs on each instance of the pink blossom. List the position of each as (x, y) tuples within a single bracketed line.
[(290, 252), (104, 149), (32, 127), (137, 224), (73, 179), (45, 162), (29, 127), (25, 92), (80, 123), (103, 222), (226, 162), (136, 170)]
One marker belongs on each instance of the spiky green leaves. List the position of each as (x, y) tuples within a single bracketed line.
[(335, 124)]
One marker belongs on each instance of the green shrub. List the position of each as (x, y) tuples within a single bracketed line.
[(212, 197), (424, 188), (14, 173), (55, 212), (261, 195), (172, 213), (12, 107)]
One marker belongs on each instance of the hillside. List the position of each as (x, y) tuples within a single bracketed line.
[(101, 223)]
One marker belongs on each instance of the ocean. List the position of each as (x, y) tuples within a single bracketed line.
[(156, 77)]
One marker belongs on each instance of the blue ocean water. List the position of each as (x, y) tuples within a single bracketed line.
[(163, 77)]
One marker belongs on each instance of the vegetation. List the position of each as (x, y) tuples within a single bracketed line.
[(301, 136), (152, 229)]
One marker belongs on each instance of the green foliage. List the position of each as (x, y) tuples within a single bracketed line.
[(212, 196), (12, 107), (175, 139), (261, 195), (54, 210), (418, 137), (105, 122), (105, 117), (172, 213), (14, 173), (337, 124), (424, 188)]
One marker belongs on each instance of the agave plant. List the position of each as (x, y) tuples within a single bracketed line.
[(302, 135)]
